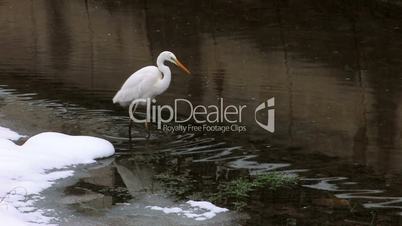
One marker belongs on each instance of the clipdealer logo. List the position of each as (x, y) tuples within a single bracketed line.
[(207, 118), (269, 104)]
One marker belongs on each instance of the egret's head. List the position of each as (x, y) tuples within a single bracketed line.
[(169, 56)]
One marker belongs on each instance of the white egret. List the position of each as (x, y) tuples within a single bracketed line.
[(147, 82)]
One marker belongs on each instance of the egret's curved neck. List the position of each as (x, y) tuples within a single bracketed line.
[(165, 81)]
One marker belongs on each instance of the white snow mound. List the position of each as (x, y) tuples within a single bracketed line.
[(24, 170), (9, 134)]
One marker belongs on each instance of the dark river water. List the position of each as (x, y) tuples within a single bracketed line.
[(333, 67)]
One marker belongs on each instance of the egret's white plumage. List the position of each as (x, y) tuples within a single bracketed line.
[(141, 84), (149, 81)]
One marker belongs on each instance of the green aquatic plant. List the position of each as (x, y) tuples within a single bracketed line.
[(238, 191), (275, 180), (239, 188)]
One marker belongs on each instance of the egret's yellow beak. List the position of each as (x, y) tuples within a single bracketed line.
[(180, 65)]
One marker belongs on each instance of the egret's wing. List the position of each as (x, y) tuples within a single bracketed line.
[(138, 85)]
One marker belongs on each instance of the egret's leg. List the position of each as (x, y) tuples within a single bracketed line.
[(147, 129), (131, 122), (129, 129)]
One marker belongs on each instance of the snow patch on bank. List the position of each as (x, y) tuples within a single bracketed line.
[(197, 210), (27, 170)]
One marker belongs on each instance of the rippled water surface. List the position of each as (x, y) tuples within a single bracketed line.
[(334, 68)]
